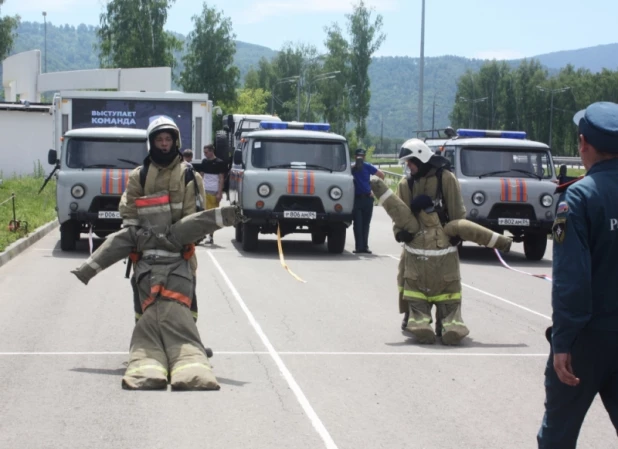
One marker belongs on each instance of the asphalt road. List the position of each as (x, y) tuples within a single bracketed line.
[(320, 364)]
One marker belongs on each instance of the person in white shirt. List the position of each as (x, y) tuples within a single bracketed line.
[(213, 172)]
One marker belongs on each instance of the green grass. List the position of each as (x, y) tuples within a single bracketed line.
[(30, 207)]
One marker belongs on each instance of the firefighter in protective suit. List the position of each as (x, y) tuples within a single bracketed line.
[(165, 342), (429, 268), (163, 170)]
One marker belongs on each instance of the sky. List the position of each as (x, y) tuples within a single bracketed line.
[(484, 29)]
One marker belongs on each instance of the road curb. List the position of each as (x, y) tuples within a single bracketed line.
[(18, 247)]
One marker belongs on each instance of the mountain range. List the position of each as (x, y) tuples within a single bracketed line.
[(394, 80)]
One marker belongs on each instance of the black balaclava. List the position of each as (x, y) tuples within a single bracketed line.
[(436, 161), (423, 169), (158, 156)]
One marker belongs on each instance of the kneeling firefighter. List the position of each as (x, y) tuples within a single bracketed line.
[(429, 272), (165, 342)]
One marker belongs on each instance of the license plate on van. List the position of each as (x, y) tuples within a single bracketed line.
[(304, 215), (105, 214), (513, 222)]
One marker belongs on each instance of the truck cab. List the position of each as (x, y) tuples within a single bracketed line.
[(292, 177), (99, 138), (507, 183), (93, 170)]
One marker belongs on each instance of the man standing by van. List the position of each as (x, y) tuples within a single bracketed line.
[(363, 200), (213, 171)]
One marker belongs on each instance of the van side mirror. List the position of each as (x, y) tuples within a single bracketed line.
[(52, 157), (237, 157)]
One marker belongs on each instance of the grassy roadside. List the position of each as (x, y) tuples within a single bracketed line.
[(30, 207)]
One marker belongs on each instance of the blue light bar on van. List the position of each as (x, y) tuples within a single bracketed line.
[(265, 124), (490, 133)]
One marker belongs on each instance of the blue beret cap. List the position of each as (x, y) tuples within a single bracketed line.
[(598, 123)]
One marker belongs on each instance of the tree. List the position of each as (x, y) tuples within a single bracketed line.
[(366, 40), (335, 96), (131, 35), (210, 57), (252, 101), (7, 35)]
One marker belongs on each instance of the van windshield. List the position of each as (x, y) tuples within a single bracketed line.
[(329, 155), (506, 162), (105, 153)]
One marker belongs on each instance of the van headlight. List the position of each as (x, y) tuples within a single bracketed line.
[(547, 200), (335, 193), (263, 190), (78, 191), (478, 198)]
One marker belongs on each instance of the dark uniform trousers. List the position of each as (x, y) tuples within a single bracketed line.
[(362, 213), (595, 363)]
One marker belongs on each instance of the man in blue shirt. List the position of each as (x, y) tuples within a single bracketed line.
[(583, 358), (363, 200)]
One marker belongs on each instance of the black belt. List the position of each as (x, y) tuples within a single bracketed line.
[(363, 194)]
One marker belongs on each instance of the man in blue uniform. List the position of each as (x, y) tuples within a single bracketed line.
[(363, 200), (583, 358)]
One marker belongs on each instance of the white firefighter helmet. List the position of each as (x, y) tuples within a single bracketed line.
[(163, 123), (415, 148)]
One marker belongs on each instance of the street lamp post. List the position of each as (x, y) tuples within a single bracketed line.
[(45, 21), (551, 106), (320, 77), (421, 86), (473, 103), (346, 105), (289, 79)]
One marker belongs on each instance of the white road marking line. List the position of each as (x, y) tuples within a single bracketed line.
[(494, 296), (372, 354), (507, 301), (300, 396)]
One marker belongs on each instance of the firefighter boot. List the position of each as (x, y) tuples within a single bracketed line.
[(419, 321), (147, 369), (188, 361), (453, 327)]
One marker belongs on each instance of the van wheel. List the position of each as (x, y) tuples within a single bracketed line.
[(249, 237), (318, 237), (336, 239), (535, 245), (238, 233), (68, 235)]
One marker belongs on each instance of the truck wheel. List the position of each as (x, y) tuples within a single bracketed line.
[(68, 235), (238, 233), (318, 237), (222, 150), (336, 239), (249, 237), (535, 245)]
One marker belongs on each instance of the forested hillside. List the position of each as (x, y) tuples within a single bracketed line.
[(394, 80)]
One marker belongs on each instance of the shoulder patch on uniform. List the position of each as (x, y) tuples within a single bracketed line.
[(563, 208), (559, 229)]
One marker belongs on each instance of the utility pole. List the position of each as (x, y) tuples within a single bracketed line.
[(45, 21), (433, 116), (381, 133), (421, 86), (551, 107)]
